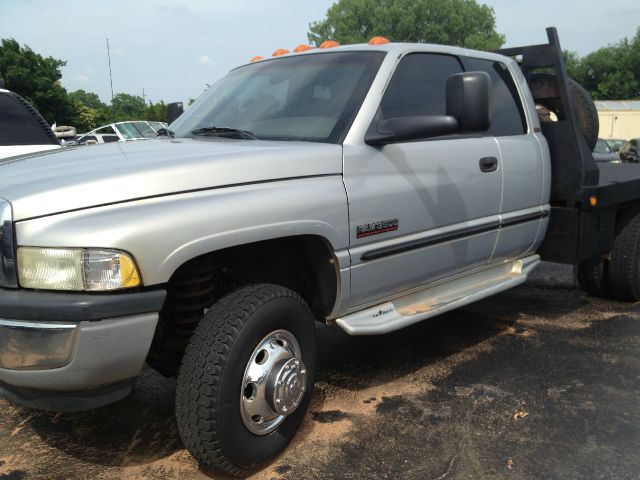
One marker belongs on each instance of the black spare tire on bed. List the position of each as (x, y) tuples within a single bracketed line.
[(544, 88)]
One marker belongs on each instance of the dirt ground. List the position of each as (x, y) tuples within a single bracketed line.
[(538, 382)]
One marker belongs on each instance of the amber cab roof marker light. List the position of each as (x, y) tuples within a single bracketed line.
[(257, 58), (379, 41), (329, 44), (303, 47), (280, 51)]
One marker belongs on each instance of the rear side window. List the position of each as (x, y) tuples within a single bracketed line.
[(507, 114), (20, 124), (418, 86)]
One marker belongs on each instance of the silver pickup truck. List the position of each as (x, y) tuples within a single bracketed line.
[(368, 186)]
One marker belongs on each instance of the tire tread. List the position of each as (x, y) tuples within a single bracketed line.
[(203, 366), (624, 267)]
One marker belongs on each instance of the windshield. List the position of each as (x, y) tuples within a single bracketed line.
[(601, 147), (145, 129), (157, 125), (308, 97), (129, 131)]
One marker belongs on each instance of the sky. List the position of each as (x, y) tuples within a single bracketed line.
[(173, 49)]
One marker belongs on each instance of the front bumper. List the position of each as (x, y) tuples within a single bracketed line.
[(70, 343)]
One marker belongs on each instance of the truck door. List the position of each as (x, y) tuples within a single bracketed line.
[(522, 212), (423, 210)]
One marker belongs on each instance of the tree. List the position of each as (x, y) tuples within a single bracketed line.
[(156, 112), (611, 72), (128, 107), (463, 23), (37, 79), (89, 99), (90, 111)]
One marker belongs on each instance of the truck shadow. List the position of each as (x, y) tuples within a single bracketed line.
[(141, 429)]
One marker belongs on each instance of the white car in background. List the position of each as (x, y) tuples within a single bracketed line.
[(121, 131), (22, 128)]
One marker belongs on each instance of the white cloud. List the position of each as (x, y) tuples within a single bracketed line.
[(204, 60), (81, 78)]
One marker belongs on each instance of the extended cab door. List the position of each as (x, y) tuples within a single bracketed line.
[(522, 213), (422, 210)]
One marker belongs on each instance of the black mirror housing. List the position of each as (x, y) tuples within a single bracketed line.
[(404, 129), (468, 97)]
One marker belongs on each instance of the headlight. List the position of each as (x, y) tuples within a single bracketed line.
[(76, 269)]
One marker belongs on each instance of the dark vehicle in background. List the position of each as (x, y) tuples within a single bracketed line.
[(629, 151), (602, 152), (616, 143)]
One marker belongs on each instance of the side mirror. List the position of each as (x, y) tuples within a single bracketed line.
[(174, 110), (469, 100), (410, 128), (468, 104)]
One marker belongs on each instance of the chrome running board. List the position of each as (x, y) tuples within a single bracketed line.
[(401, 312)]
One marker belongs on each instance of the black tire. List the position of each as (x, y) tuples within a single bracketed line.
[(624, 267), (593, 277), (210, 378), (545, 92)]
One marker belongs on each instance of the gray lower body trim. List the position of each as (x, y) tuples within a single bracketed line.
[(99, 353)]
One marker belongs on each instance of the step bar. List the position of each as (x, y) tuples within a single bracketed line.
[(404, 311)]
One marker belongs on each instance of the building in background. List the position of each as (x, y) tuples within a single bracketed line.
[(619, 118)]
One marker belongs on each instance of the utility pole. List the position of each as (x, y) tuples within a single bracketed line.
[(113, 110)]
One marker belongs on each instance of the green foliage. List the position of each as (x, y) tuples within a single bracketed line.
[(90, 111), (451, 22), (156, 111), (128, 107), (611, 72), (35, 78)]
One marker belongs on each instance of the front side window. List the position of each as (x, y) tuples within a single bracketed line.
[(418, 86), (312, 97), (507, 113)]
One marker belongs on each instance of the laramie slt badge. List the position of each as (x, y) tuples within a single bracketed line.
[(377, 227)]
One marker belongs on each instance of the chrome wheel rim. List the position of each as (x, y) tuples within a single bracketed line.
[(273, 383)]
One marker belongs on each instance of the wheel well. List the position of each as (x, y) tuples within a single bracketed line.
[(304, 264)]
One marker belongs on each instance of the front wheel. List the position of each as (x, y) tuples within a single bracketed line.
[(246, 378)]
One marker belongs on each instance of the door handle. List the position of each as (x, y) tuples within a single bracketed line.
[(488, 164)]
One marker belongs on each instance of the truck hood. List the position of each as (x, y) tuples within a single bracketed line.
[(86, 176)]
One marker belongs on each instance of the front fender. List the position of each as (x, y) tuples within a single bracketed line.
[(164, 232)]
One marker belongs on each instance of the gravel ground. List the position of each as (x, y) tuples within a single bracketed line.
[(538, 382)]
